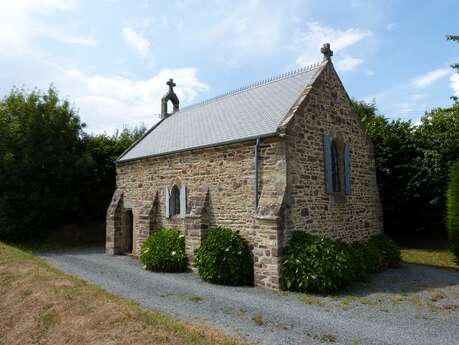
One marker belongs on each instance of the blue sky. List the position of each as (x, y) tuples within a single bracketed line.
[(112, 58)]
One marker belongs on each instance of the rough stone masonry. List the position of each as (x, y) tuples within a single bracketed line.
[(315, 172)]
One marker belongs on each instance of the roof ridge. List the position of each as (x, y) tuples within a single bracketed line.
[(257, 84)]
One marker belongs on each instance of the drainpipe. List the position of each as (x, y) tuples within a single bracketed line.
[(257, 158)]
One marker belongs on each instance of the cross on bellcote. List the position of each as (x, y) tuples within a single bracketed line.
[(328, 53), (171, 84)]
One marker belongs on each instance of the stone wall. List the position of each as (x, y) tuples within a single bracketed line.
[(220, 192), (326, 109)]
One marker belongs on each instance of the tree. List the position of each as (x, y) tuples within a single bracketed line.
[(453, 209), (394, 148), (40, 151), (412, 164), (455, 65), (456, 39), (51, 172), (437, 138), (97, 184)]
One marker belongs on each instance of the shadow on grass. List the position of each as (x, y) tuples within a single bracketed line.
[(429, 250), (67, 238)]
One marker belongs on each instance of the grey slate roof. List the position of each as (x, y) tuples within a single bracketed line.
[(255, 111)]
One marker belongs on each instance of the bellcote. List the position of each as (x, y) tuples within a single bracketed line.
[(169, 96)]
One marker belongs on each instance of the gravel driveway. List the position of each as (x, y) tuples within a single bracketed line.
[(410, 305)]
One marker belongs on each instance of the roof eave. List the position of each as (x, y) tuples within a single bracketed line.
[(229, 142), (138, 140)]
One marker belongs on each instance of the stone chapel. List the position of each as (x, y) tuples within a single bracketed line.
[(285, 154)]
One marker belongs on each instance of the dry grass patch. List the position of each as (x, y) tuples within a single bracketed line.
[(41, 305)]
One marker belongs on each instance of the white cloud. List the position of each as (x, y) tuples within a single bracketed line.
[(348, 63), (137, 41), (180, 25), (22, 21), (431, 77), (246, 28), (310, 41), (391, 26), (296, 19), (56, 34), (108, 103), (418, 96), (454, 84), (413, 107)]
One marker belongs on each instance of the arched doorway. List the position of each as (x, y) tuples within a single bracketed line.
[(128, 231)]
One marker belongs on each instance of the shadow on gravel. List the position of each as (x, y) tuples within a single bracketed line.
[(407, 279)]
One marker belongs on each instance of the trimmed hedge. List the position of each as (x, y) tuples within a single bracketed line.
[(318, 264), (164, 251), (453, 209), (224, 258)]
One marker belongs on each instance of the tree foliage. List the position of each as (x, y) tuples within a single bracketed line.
[(39, 160), (412, 164), (455, 66), (456, 39), (51, 172), (97, 182), (453, 209)]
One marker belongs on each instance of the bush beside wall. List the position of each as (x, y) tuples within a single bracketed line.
[(317, 264), (164, 251), (382, 253), (224, 258)]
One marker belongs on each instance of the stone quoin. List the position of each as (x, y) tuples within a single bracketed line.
[(281, 155)]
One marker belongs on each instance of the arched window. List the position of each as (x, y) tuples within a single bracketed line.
[(175, 201), (335, 167)]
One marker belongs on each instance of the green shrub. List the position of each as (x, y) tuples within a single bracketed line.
[(360, 261), (453, 209), (164, 251), (316, 264), (224, 258), (382, 253)]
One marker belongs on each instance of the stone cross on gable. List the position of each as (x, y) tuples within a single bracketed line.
[(328, 53), (171, 84)]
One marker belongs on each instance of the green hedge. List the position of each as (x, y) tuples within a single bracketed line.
[(382, 253), (362, 266), (453, 209), (224, 258), (318, 264), (164, 251)]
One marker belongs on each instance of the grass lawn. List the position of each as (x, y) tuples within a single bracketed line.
[(42, 305), (429, 251)]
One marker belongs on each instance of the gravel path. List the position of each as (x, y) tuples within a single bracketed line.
[(410, 305)]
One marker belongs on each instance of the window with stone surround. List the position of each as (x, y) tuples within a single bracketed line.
[(174, 201), (337, 165)]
